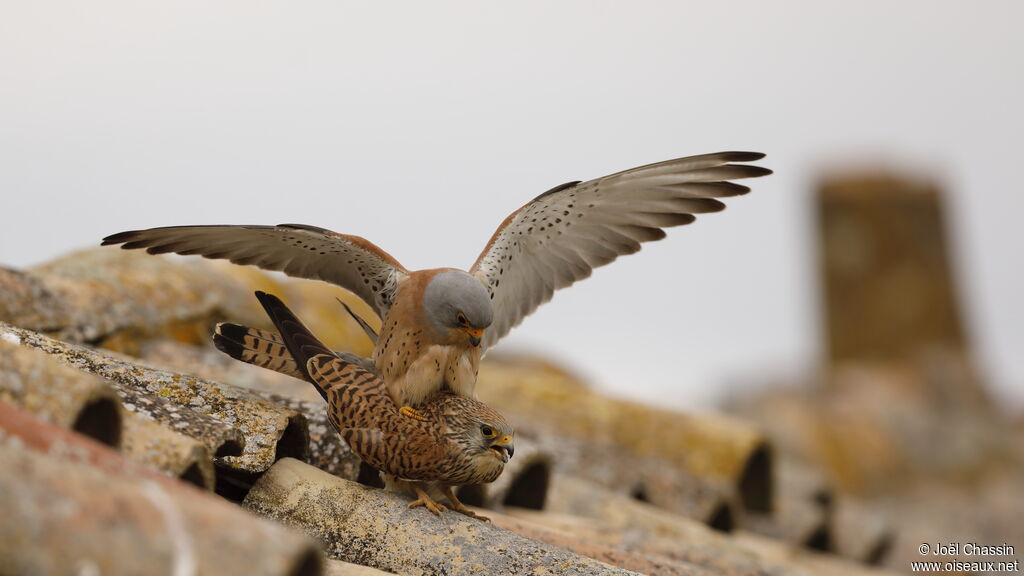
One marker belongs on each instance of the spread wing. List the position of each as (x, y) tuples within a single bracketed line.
[(562, 235), (298, 250)]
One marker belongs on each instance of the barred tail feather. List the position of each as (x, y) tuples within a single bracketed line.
[(261, 348)]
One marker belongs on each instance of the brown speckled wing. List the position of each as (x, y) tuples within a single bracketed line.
[(409, 457), (369, 421), (295, 249), (562, 235)]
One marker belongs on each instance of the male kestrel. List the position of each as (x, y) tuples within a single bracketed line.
[(457, 442), (437, 323)]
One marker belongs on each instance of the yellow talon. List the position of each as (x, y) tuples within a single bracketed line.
[(435, 507), (412, 413), (460, 507), (471, 514), (426, 501)]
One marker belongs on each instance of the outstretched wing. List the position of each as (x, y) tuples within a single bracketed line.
[(562, 235), (296, 249)]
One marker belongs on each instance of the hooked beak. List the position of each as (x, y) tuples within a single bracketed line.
[(504, 448), (474, 335)]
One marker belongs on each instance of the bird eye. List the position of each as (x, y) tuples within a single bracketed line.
[(462, 319), (487, 430)]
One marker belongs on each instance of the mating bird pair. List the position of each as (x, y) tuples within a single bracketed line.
[(456, 440), (437, 324)]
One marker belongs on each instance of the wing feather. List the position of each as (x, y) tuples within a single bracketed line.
[(295, 249), (562, 235)]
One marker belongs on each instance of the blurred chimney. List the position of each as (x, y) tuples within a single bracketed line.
[(884, 260)]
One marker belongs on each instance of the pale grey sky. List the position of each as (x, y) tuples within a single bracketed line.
[(421, 125)]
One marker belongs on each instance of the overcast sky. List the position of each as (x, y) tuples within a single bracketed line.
[(421, 125)]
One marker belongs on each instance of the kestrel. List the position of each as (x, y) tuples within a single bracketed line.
[(459, 440), (437, 323)]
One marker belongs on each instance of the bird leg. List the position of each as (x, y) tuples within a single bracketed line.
[(459, 506), (426, 501), (412, 413)]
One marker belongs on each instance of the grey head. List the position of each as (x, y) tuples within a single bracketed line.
[(457, 306)]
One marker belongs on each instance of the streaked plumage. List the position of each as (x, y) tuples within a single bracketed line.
[(459, 441), (266, 349), (437, 323)]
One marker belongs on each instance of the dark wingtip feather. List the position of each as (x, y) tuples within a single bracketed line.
[(118, 238), (753, 171), (231, 330), (227, 338), (710, 205), (738, 156), (299, 341), (280, 315)]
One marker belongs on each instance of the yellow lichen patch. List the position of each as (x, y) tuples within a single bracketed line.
[(155, 446), (107, 290), (212, 412), (706, 446), (55, 393)]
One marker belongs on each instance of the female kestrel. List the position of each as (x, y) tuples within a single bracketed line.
[(458, 441), (437, 323)]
